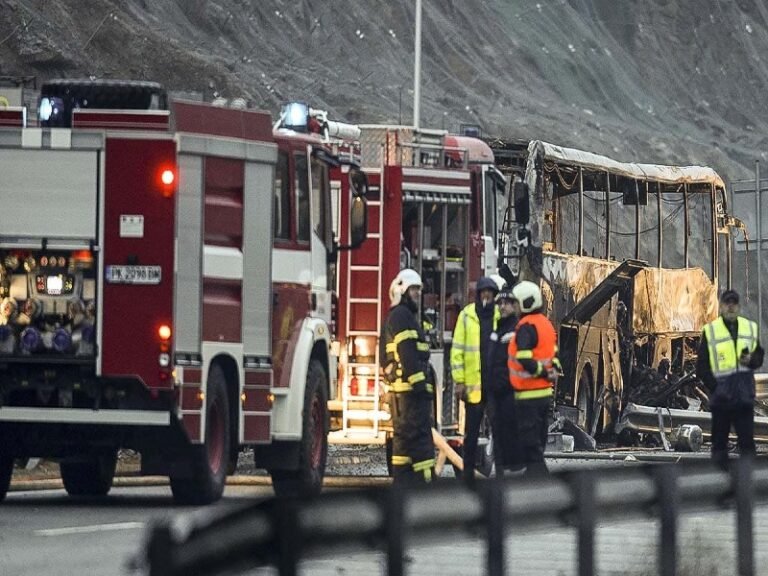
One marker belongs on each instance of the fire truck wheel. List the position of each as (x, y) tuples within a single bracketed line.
[(307, 480), (209, 461), (6, 471), (91, 476)]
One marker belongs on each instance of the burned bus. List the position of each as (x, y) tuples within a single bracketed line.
[(630, 258)]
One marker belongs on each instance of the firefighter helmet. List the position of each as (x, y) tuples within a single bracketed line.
[(528, 295), (500, 282), (404, 280)]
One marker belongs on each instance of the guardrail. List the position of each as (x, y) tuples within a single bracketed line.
[(282, 532)]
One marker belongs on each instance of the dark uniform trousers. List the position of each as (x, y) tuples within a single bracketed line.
[(412, 421), (532, 429)]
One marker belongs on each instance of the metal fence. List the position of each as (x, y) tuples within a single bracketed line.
[(280, 533), (748, 204)]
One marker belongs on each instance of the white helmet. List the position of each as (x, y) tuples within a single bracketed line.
[(404, 280), (528, 295), (500, 282)]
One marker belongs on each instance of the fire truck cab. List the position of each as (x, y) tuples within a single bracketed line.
[(167, 271)]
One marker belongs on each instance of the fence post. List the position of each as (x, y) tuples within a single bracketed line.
[(494, 515), (668, 502), (742, 484), (393, 504), (160, 550), (288, 534), (584, 489)]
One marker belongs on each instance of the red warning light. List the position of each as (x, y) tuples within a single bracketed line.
[(168, 177)]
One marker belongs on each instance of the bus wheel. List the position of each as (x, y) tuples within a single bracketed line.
[(584, 400), (6, 471), (205, 483), (307, 480), (89, 476)]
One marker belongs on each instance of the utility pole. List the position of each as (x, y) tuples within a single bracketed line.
[(417, 69), (759, 217)]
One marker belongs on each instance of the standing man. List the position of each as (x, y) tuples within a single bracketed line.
[(729, 353), (533, 368), (404, 356), (503, 425), (469, 364)]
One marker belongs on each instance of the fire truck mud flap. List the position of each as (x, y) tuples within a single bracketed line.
[(89, 475), (203, 482), (307, 478)]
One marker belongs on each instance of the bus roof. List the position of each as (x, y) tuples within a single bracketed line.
[(646, 172)]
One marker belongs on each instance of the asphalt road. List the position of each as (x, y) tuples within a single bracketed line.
[(46, 532)]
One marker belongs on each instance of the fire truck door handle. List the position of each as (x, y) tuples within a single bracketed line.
[(275, 299)]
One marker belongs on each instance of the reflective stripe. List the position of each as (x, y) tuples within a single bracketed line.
[(422, 347), (400, 460), (430, 388), (466, 348), (405, 335), (524, 354), (531, 394), (391, 347), (424, 464), (400, 386), (417, 377)]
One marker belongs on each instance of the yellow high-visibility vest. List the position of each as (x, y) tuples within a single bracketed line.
[(465, 351)]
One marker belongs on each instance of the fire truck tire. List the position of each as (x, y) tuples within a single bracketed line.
[(91, 476), (6, 471), (208, 462), (307, 480)]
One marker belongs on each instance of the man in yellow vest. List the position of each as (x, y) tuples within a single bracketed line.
[(469, 366), (729, 353), (533, 368)]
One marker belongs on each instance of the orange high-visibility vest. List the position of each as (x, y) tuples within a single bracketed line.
[(527, 385)]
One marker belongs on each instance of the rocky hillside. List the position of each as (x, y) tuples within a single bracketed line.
[(668, 81)]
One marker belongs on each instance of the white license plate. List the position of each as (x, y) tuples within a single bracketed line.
[(133, 274)]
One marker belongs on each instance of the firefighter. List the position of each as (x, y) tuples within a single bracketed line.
[(469, 364), (533, 368), (729, 352), (405, 359), (505, 445)]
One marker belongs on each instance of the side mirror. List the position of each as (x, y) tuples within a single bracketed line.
[(358, 222), (521, 202), (358, 209), (358, 183)]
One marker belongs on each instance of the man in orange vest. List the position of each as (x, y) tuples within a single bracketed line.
[(533, 368)]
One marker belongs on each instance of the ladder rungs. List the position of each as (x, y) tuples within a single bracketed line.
[(363, 300), (362, 333), (372, 415), (364, 268)]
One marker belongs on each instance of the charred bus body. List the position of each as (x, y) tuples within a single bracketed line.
[(630, 258)]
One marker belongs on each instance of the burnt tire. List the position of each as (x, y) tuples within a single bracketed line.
[(307, 480), (6, 471), (91, 475), (208, 462), (584, 401)]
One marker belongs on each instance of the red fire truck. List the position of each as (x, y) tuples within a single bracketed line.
[(433, 206), (166, 285)]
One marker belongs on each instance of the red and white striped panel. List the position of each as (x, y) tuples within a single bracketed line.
[(191, 401), (257, 406)]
